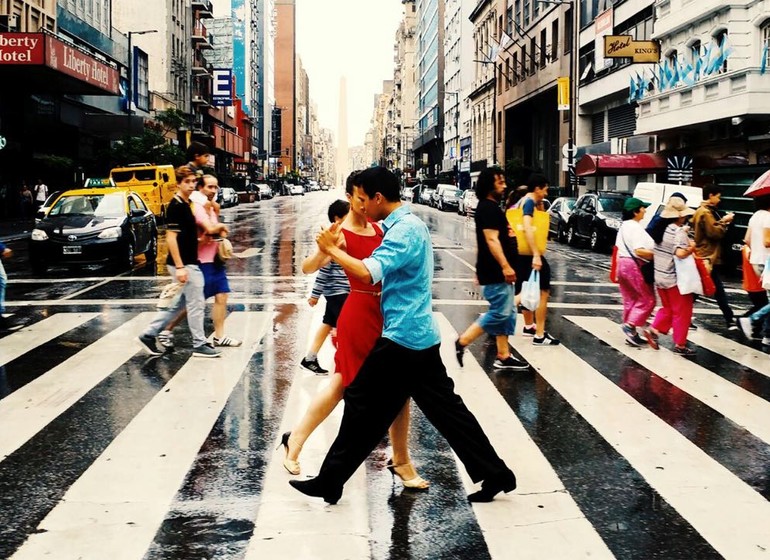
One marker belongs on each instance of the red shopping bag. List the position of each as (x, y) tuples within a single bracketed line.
[(751, 282), (614, 265), (709, 289)]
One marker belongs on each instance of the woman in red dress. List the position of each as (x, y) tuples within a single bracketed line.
[(358, 328)]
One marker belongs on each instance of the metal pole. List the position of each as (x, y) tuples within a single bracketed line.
[(494, 113), (128, 88), (570, 134)]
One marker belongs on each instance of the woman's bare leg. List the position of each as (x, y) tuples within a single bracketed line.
[(399, 439), (320, 407)]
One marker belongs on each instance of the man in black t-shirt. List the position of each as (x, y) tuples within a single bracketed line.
[(183, 265), (494, 269)]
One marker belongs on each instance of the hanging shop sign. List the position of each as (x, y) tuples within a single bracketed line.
[(624, 46)]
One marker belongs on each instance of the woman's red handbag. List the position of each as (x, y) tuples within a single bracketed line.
[(709, 289), (751, 281), (614, 265)]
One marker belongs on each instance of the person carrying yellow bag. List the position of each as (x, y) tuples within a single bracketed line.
[(532, 239)]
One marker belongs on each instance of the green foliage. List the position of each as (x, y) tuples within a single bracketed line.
[(54, 164), (170, 120), (151, 146), (516, 173)]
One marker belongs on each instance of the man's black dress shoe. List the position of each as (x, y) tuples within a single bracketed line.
[(312, 487), (491, 487)]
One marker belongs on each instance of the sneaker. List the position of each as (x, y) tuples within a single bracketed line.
[(235, 307), (166, 339), (766, 341), (206, 351), (652, 338), (459, 352), (630, 332), (509, 363), (693, 327), (745, 325), (314, 366), (684, 351), (732, 325), (150, 345), (226, 341), (545, 340), (528, 331), (637, 341)]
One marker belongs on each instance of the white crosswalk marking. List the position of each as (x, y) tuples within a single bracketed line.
[(36, 404), (21, 342), (727, 513), (115, 508), (737, 352), (745, 409), (539, 519), (291, 525)]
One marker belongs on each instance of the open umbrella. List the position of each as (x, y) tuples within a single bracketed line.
[(759, 187)]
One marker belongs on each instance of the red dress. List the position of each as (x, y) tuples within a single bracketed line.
[(360, 322)]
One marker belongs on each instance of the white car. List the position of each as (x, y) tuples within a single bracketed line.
[(467, 203), (296, 189)]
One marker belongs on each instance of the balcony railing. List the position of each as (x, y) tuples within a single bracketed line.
[(200, 65), (201, 36), (203, 8)]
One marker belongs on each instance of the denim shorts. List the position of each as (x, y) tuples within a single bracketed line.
[(215, 278), (501, 317)]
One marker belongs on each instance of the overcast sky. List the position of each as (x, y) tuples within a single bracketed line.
[(353, 38)]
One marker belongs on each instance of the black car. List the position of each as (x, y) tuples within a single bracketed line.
[(559, 213), (87, 226), (596, 218)]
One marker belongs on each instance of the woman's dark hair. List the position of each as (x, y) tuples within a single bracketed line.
[(762, 202), (378, 180), (350, 181), (485, 184), (338, 209), (660, 228)]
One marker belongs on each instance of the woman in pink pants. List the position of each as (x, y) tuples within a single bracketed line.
[(635, 247), (671, 241)]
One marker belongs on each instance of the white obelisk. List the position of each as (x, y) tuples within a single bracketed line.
[(343, 164)]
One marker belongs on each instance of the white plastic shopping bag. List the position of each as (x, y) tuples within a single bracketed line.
[(687, 276), (530, 291), (766, 275)]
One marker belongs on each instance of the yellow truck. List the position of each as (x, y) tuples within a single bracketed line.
[(156, 184)]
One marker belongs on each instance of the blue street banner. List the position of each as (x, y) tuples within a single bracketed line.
[(222, 87)]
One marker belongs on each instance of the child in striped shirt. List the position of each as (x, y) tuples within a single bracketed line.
[(332, 283)]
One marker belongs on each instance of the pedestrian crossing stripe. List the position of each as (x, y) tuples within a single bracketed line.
[(25, 340), (726, 512), (739, 353), (116, 507)]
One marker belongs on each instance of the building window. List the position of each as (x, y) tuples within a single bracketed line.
[(507, 74), (765, 46), (515, 68), (500, 82), (721, 41), (524, 72), (509, 22), (542, 47), (518, 13), (554, 40), (694, 53), (526, 13), (532, 55), (568, 30)]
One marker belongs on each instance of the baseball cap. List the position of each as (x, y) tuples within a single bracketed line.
[(633, 204)]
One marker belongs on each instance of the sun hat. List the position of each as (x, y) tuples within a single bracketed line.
[(676, 208), (633, 204)]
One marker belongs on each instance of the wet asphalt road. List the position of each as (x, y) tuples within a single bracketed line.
[(212, 514)]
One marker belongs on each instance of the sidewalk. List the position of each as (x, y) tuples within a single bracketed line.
[(14, 228)]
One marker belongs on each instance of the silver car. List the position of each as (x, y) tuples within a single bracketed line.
[(467, 203)]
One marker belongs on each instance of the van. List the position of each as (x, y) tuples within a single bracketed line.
[(658, 193), (156, 184)]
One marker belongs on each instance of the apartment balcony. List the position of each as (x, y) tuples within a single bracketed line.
[(201, 66), (735, 93), (203, 8), (201, 37), (200, 101)]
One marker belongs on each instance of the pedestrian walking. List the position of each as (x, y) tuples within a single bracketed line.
[(671, 241), (184, 267), (5, 253), (758, 241), (41, 193), (405, 362), (710, 228), (359, 327), (635, 249), (331, 283), (534, 322), (26, 202), (496, 252), (197, 156)]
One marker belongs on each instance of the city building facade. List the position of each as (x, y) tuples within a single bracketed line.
[(284, 140), (482, 94)]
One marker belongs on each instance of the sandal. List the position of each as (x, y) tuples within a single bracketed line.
[(415, 483)]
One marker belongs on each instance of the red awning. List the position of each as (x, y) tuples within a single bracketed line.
[(619, 164)]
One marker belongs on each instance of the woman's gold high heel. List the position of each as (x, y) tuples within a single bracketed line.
[(288, 464), (415, 483)]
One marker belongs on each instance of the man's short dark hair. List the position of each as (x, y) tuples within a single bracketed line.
[(379, 180), (708, 190), (196, 149), (485, 184), (536, 180), (338, 209)]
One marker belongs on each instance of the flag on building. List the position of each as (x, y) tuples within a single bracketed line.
[(632, 90), (763, 62), (505, 41)]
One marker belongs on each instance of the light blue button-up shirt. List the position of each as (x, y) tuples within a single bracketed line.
[(404, 264)]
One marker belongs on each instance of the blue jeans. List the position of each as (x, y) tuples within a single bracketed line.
[(192, 299), (501, 317), (3, 282)]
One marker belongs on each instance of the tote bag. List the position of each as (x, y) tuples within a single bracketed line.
[(530, 291), (540, 221), (751, 282), (687, 276)]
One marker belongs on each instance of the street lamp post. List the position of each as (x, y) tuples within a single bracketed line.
[(129, 87)]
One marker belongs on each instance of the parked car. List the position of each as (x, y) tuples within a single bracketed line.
[(264, 191), (559, 212), (596, 218), (467, 203), (296, 189), (446, 197), (86, 226), (227, 197), (426, 195), (325, 186)]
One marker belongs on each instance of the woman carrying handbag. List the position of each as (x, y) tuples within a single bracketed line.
[(634, 250)]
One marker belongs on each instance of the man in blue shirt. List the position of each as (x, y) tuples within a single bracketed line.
[(405, 362)]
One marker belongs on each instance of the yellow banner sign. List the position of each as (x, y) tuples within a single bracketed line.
[(624, 46), (562, 93)]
